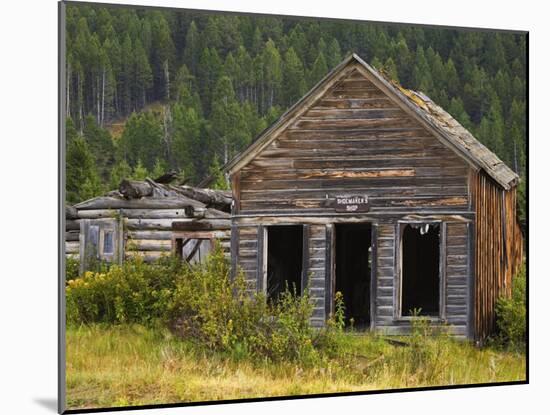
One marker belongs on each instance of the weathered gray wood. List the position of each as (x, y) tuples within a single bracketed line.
[(211, 198), (149, 245), (133, 189), (164, 224), (70, 212), (72, 225), (154, 235), (72, 236), (109, 202), (72, 247)]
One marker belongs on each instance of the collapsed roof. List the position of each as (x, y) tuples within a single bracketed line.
[(149, 194)]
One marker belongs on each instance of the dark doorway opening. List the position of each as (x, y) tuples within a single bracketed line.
[(284, 260), (353, 271), (420, 269)]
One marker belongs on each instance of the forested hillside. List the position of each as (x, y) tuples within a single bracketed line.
[(192, 89)]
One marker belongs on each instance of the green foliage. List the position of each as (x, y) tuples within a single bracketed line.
[(141, 140), (120, 62), (202, 303), (134, 292), (83, 181), (218, 181), (119, 172), (72, 268), (511, 313)]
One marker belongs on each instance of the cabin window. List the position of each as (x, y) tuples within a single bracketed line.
[(93, 239), (108, 245), (101, 242), (193, 250), (284, 260), (420, 270)]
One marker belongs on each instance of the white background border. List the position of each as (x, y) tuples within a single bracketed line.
[(28, 231)]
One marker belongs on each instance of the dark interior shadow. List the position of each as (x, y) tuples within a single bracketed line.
[(48, 403)]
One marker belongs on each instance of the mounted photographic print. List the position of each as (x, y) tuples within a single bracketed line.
[(257, 207)]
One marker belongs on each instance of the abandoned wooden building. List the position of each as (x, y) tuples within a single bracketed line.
[(148, 219), (373, 190)]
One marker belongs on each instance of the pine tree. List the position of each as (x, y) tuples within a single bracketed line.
[(120, 171), (272, 66), (293, 77), (319, 70), (218, 180), (100, 144), (191, 52), (187, 145), (422, 79), (141, 140), (82, 179), (228, 127), (142, 75), (334, 54), (140, 171)]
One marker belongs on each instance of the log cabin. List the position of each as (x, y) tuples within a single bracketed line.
[(369, 189), (147, 219)]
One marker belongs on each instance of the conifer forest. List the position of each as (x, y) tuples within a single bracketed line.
[(151, 90)]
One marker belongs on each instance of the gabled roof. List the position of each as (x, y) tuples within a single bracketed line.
[(419, 106)]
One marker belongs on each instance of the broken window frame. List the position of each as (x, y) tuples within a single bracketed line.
[(398, 292), (179, 237), (111, 225)]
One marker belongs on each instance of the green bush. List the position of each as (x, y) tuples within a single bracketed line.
[(511, 313), (72, 268), (201, 303), (225, 315), (135, 292)]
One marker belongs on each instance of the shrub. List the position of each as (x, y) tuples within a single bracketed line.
[(72, 268), (203, 304), (511, 313), (225, 315), (134, 292)]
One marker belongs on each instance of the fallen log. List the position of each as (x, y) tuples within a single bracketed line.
[(212, 198), (133, 189)]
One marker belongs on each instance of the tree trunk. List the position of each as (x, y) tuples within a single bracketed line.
[(68, 102), (167, 78), (103, 98), (80, 99)]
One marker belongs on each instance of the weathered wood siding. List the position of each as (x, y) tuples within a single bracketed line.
[(455, 276), (247, 260), (316, 271), (354, 139), (385, 275), (499, 249)]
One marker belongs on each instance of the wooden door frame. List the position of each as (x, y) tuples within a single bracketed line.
[(330, 266)]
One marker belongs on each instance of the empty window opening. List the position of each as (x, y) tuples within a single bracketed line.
[(353, 271), (193, 250), (284, 260), (420, 269)]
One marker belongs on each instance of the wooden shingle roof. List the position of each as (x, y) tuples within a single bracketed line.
[(435, 119)]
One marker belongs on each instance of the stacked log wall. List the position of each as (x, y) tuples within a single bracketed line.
[(147, 232)]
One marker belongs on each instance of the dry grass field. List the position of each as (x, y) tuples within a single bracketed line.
[(133, 365)]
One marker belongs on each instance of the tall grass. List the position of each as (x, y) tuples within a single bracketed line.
[(132, 365)]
